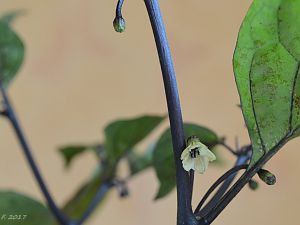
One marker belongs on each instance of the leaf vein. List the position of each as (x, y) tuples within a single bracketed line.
[(292, 97), (253, 108)]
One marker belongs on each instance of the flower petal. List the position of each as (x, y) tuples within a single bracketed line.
[(185, 154), (188, 163), (201, 164), (205, 152)]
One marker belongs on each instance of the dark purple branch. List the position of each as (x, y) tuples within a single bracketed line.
[(241, 182), (242, 159), (9, 112), (225, 176), (184, 209), (119, 8)]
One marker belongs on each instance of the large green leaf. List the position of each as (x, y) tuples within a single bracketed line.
[(163, 159), (266, 67), (123, 135), (16, 208), (11, 51)]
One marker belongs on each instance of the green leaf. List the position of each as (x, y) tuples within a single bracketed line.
[(123, 135), (79, 202), (163, 159), (11, 16), (81, 199), (139, 162), (70, 152), (266, 66), (23, 209), (11, 52)]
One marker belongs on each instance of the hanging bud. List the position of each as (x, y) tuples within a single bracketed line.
[(253, 185), (119, 24), (266, 176), (123, 193), (121, 188)]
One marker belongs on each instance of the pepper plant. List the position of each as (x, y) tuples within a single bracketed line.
[(266, 64)]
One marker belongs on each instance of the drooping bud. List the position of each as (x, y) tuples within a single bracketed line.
[(119, 24), (121, 188), (253, 185), (266, 176), (124, 193)]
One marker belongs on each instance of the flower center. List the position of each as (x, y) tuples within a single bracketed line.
[(194, 152)]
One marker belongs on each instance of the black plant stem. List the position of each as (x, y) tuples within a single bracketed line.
[(192, 176), (184, 209), (119, 8), (226, 175), (27, 152), (242, 159)]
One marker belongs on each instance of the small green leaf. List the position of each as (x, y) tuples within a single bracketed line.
[(72, 151), (17, 208), (82, 198), (123, 135), (166, 187), (266, 66), (11, 52), (139, 162), (79, 202), (163, 159)]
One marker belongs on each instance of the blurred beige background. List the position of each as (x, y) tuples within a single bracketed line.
[(79, 74)]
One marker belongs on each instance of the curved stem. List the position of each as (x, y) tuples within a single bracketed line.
[(242, 159), (241, 182), (184, 209), (218, 182), (119, 8), (27, 152)]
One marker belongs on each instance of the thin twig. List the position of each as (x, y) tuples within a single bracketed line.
[(218, 182), (184, 209), (229, 148), (241, 182), (192, 178), (242, 159), (119, 8), (27, 152)]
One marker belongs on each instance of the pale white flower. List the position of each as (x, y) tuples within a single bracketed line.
[(196, 155)]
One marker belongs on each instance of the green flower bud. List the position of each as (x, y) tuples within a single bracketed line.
[(119, 24), (253, 185), (266, 176)]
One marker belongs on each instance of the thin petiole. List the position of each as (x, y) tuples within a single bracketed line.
[(119, 8), (234, 152), (218, 182), (242, 159)]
